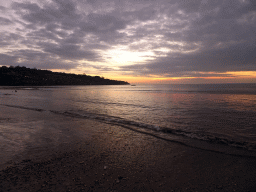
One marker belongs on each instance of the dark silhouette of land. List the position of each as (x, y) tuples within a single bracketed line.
[(22, 76)]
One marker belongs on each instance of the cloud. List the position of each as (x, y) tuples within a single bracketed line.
[(234, 58), (175, 37), (102, 23), (8, 40), (5, 21), (221, 33), (2, 8), (70, 51), (36, 59), (7, 60)]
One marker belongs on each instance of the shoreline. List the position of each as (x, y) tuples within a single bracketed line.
[(66, 153)]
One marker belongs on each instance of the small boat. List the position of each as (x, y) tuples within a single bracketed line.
[(133, 85)]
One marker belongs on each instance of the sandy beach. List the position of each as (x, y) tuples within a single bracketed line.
[(59, 153)]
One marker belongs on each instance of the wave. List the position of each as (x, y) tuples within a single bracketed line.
[(185, 137), (205, 141), (22, 107)]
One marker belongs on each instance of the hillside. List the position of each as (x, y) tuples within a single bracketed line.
[(22, 76)]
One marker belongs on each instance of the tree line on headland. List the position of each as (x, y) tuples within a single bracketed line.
[(22, 76)]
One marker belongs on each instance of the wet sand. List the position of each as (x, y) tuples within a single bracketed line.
[(58, 153)]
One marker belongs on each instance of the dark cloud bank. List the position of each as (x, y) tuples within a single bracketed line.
[(199, 35)]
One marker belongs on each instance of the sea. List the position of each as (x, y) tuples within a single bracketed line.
[(215, 117)]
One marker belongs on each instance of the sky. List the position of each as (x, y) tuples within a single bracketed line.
[(139, 41)]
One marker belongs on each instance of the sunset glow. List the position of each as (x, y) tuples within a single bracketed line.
[(135, 41)]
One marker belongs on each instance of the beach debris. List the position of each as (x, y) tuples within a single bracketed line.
[(96, 182), (219, 187), (119, 178), (105, 167), (157, 128)]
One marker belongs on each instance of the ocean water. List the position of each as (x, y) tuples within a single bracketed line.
[(218, 117)]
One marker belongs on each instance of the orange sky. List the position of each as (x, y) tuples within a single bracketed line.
[(227, 77), (140, 41), (231, 77)]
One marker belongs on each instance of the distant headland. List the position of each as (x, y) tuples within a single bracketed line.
[(23, 76)]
